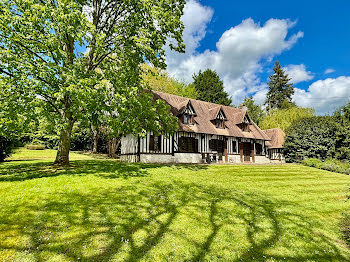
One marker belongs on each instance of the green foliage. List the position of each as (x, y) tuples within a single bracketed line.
[(255, 111), (284, 118), (81, 139), (81, 58), (6, 147), (210, 88), (342, 134), (310, 138), (159, 80), (280, 90), (105, 210), (330, 164)]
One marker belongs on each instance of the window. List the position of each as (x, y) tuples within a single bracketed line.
[(187, 119), (188, 144), (234, 146), (155, 143), (258, 149), (217, 145), (244, 127), (219, 123)]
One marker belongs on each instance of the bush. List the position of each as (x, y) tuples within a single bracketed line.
[(6, 146), (81, 139), (330, 164), (35, 147), (312, 162), (312, 137)]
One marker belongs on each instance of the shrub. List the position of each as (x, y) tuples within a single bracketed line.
[(35, 147), (312, 137), (312, 162), (81, 139), (330, 164), (6, 146)]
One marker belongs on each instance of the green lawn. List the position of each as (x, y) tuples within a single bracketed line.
[(101, 210)]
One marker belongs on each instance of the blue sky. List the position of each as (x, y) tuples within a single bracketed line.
[(242, 39)]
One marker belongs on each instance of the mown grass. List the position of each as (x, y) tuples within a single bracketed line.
[(102, 210)]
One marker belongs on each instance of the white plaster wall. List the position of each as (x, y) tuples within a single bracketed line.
[(128, 158), (129, 144), (188, 158), (262, 160), (156, 158), (234, 158), (183, 158)]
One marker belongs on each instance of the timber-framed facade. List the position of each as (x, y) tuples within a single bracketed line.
[(207, 133)]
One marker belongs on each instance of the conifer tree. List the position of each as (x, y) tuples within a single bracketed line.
[(280, 90), (210, 88)]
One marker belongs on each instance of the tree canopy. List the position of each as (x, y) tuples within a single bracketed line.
[(210, 88), (69, 53), (284, 118), (280, 90), (159, 80)]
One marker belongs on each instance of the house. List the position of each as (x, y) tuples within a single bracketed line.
[(275, 145), (207, 132)]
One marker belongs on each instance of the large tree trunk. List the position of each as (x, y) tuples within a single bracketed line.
[(62, 157), (94, 131)]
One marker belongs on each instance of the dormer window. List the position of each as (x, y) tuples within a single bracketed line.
[(187, 119), (188, 115), (220, 119), (244, 126), (219, 123)]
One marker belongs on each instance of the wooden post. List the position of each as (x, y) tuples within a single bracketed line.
[(225, 151), (241, 150), (252, 151)]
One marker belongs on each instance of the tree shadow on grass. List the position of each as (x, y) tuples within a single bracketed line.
[(103, 168), (135, 221)]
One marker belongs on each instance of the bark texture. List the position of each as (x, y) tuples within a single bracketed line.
[(62, 157)]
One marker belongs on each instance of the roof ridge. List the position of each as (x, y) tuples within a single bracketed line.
[(197, 100)]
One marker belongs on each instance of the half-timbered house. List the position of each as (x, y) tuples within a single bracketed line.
[(207, 132)]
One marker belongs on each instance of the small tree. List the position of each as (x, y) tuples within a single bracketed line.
[(255, 111), (210, 88), (280, 90)]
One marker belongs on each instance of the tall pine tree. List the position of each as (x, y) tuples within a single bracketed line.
[(210, 88), (280, 91)]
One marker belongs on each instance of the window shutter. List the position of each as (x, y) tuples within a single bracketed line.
[(151, 142)]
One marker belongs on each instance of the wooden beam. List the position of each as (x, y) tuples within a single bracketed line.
[(241, 150), (252, 152)]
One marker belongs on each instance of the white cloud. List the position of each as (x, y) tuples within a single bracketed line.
[(324, 95), (329, 70), (238, 53), (298, 73)]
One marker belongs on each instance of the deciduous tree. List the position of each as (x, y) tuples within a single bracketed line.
[(66, 52)]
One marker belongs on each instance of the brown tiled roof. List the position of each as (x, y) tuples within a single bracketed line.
[(277, 137), (205, 112)]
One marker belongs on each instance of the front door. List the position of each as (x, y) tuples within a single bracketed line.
[(246, 152)]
